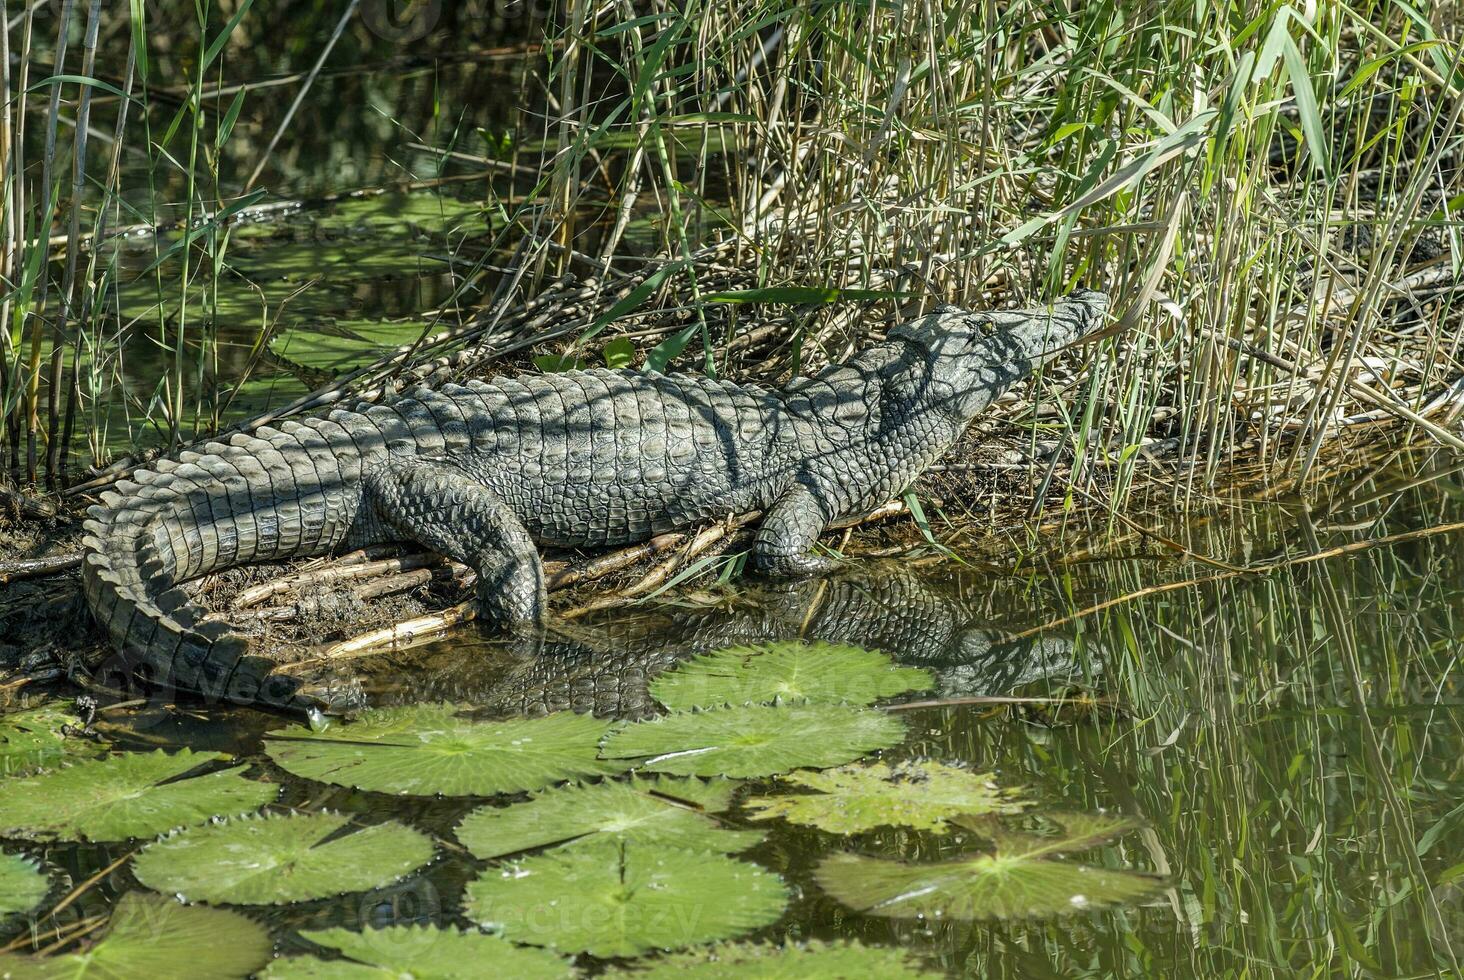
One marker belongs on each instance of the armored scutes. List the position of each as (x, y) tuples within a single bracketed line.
[(483, 472)]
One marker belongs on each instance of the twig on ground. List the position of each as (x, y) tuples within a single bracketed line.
[(400, 634), (353, 566), (376, 589), (614, 561), (26, 505), (22, 568)]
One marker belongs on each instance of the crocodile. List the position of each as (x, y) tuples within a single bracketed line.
[(604, 665), (487, 471)]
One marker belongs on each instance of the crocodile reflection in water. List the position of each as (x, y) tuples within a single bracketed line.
[(605, 665)]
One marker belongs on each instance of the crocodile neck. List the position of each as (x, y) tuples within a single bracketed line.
[(891, 418)]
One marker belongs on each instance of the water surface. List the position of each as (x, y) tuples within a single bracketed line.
[(1291, 742)]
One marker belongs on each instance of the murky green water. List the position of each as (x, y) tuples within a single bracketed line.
[(1291, 743)]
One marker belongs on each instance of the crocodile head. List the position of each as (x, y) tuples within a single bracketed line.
[(965, 360)]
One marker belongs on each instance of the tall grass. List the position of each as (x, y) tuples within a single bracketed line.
[(122, 124), (1262, 190), (1269, 193)]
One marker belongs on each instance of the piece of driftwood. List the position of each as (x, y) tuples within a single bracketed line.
[(22, 568), (25, 505)]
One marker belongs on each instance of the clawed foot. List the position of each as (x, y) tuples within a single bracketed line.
[(518, 600), (796, 566), (522, 614)]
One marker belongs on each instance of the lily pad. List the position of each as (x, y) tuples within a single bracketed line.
[(813, 961), (712, 795), (863, 796), (429, 749), (614, 899), (609, 811), (753, 740), (272, 860), (152, 936), (1017, 881), (32, 739), (822, 673), (422, 953), (22, 884), (137, 794)]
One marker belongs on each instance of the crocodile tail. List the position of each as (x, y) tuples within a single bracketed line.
[(156, 629), (277, 494)]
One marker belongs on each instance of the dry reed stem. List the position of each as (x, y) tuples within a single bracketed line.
[(399, 635), (993, 699), (81, 927), (378, 588), (614, 561), (340, 571), (26, 505), (1262, 569), (87, 885)]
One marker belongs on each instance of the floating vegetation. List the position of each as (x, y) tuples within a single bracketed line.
[(344, 344), (712, 795), (32, 739), (753, 740), (151, 936), (863, 796), (338, 262), (610, 898), (1018, 880), (431, 749), (22, 884), (395, 213), (608, 811), (420, 952), (275, 859), (821, 673), (813, 961), (1272, 192), (137, 794)]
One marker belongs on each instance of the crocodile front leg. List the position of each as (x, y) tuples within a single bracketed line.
[(789, 531), (442, 508)]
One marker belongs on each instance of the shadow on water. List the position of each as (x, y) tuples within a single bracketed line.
[(604, 664)]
